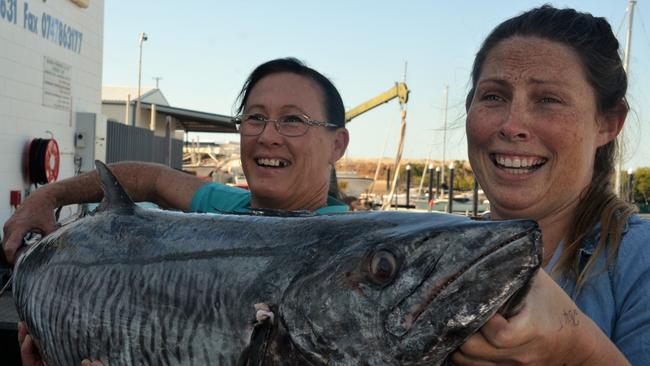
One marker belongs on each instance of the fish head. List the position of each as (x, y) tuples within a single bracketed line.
[(409, 293)]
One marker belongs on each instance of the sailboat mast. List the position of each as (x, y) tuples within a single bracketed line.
[(626, 67), (628, 38), (444, 135)]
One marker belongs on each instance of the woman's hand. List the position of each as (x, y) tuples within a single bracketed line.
[(28, 352), (91, 363), (549, 330), (35, 214)]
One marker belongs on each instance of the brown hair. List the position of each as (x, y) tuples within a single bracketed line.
[(597, 47)]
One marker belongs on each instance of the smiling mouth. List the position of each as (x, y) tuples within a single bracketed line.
[(517, 164), (272, 163)]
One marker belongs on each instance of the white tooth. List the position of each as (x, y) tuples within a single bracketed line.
[(508, 162), (525, 163), (502, 161), (516, 162)]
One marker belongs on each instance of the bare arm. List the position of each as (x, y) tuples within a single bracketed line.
[(156, 183)]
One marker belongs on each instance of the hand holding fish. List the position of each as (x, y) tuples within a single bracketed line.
[(29, 353), (35, 214), (543, 333)]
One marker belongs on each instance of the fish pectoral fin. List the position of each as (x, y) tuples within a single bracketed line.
[(255, 351), (270, 343)]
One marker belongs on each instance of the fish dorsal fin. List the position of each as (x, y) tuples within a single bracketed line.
[(115, 197)]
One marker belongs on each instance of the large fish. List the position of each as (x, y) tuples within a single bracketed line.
[(130, 286)]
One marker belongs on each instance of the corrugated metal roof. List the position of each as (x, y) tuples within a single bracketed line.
[(112, 93), (196, 121)]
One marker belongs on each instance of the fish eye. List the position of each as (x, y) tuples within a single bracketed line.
[(383, 267)]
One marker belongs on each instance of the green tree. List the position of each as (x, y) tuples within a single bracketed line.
[(642, 185)]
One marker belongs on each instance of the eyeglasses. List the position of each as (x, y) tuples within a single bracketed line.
[(290, 125)]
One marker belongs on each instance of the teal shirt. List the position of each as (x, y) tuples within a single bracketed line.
[(220, 198)]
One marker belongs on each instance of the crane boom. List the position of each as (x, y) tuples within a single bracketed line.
[(399, 91)]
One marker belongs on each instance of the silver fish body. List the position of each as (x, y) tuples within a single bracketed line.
[(148, 287)]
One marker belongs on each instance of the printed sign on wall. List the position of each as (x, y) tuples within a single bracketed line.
[(56, 84)]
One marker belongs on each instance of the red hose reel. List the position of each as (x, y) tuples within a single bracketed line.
[(44, 161)]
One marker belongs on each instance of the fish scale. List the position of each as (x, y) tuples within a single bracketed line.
[(130, 286)]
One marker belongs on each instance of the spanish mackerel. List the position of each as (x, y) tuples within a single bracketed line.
[(131, 286)]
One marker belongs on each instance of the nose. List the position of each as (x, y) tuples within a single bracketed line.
[(270, 134), (516, 124)]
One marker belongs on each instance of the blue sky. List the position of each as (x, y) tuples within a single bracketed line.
[(204, 50)]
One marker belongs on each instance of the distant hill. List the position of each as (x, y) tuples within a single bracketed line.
[(366, 167)]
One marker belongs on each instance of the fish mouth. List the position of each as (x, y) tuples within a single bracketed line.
[(409, 313)]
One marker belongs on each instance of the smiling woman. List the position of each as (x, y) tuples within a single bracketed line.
[(546, 104), (534, 127), (288, 164)]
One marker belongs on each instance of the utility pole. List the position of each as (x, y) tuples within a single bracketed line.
[(143, 37), (626, 67)]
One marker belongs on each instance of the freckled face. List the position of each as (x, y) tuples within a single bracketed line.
[(533, 128), (290, 173)]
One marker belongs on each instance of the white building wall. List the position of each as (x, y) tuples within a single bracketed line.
[(24, 112), (115, 112), (161, 123)]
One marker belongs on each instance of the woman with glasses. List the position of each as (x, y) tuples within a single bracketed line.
[(292, 126)]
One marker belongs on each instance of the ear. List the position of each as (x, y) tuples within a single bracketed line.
[(341, 140), (611, 123)]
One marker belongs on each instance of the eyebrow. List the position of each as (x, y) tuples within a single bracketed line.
[(502, 82), (530, 80), (284, 107), (547, 82)]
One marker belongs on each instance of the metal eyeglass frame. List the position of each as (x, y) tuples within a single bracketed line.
[(307, 121)]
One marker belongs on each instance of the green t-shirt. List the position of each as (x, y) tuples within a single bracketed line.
[(221, 198)]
